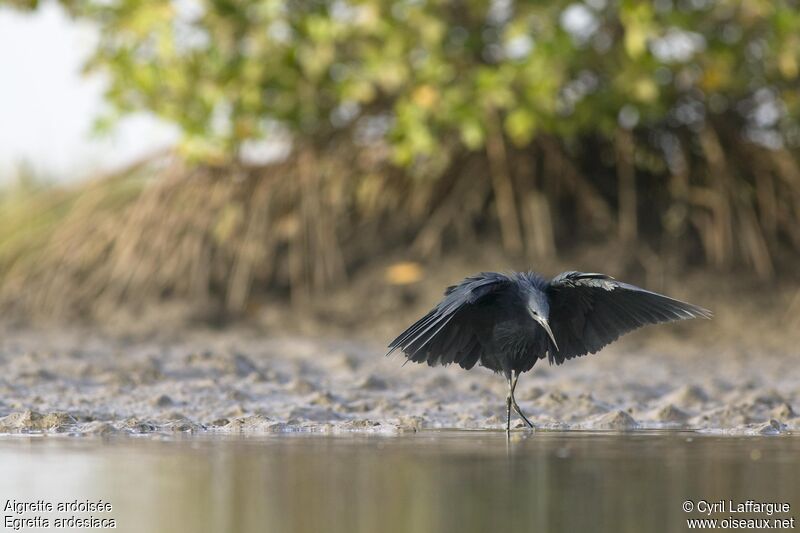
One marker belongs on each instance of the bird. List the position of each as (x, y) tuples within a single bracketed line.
[(506, 322)]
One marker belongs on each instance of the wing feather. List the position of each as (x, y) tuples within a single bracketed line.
[(446, 334), (590, 310)]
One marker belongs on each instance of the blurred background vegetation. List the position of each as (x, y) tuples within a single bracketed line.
[(322, 137)]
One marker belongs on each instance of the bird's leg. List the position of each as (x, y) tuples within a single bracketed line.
[(508, 404), (513, 386)]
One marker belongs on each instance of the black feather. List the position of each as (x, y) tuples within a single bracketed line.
[(487, 318), (605, 309)]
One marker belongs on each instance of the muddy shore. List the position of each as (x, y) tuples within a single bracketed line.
[(77, 382)]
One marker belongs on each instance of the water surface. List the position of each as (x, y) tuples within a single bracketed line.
[(428, 481)]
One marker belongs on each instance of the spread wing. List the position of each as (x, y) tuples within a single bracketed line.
[(589, 311), (447, 334)]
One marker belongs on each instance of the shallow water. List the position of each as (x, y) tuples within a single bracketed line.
[(428, 481)]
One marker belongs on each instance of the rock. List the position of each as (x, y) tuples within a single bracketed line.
[(552, 399), (440, 382), (313, 414), (783, 411), (529, 393), (586, 405), (302, 386), (687, 396), (768, 398), (771, 427), (243, 367), (98, 428), (733, 415), (256, 424), (239, 396), (615, 420), (324, 399), (671, 413), (361, 424), (346, 361), (139, 426), (148, 373), (182, 425), (373, 382), (163, 401), (411, 423), (35, 421)]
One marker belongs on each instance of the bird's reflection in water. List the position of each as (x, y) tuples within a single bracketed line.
[(431, 481)]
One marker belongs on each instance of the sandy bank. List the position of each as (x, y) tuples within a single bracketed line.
[(73, 382)]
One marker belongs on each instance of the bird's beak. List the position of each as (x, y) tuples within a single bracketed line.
[(546, 325)]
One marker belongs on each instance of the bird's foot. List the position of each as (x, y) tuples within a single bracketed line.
[(522, 415)]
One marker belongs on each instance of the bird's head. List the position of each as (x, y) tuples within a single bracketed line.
[(539, 310)]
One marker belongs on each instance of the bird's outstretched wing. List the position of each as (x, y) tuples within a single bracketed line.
[(589, 311), (447, 333)]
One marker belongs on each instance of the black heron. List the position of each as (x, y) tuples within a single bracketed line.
[(507, 322)]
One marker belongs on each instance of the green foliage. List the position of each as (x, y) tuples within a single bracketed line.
[(672, 125), (433, 75)]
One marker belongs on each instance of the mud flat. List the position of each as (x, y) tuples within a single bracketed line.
[(75, 382)]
